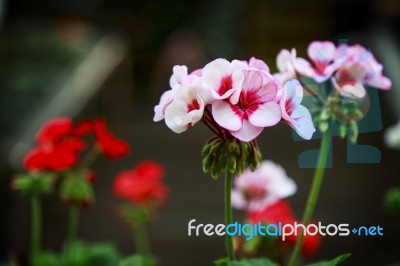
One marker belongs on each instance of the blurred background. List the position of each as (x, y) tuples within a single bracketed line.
[(113, 59)]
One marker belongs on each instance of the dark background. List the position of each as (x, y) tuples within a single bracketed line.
[(44, 45)]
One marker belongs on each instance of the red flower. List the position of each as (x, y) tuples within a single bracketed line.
[(142, 185), (109, 145), (282, 212), (57, 149)]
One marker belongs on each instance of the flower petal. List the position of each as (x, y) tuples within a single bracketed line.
[(225, 114), (258, 64), (247, 132), (175, 115), (302, 123), (321, 51), (266, 115)]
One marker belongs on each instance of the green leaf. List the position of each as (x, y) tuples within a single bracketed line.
[(103, 254), (337, 261), (253, 262), (221, 262), (138, 260), (47, 259)]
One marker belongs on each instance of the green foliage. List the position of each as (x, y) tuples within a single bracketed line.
[(337, 261), (76, 188), (392, 199), (34, 183), (138, 260), (253, 262), (247, 262), (80, 254), (233, 156)]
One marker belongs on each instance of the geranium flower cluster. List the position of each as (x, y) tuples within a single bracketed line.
[(349, 67), (60, 142), (236, 98)]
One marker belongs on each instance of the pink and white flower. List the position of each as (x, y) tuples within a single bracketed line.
[(295, 114), (186, 108), (159, 110), (255, 109), (358, 67), (224, 79), (181, 77), (254, 191), (322, 55), (285, 62)]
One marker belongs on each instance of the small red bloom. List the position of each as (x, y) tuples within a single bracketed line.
[(83, 128), (142, 185), (54, 130), (282, 212), (109, 145), (57, 149)]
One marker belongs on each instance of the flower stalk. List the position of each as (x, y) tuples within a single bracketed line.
[(313, 196), (141, 237), (36, 228), (73, 221), (228, 215)]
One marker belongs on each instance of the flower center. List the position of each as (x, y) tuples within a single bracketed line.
[(225, 85), (193, 105)]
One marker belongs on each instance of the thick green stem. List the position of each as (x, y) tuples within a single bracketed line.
[(73, 221), (141, 237), (228, 215), (36, 228), (313, 196)]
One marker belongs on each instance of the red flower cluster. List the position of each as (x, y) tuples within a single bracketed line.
[(142, 185), (282, 212), (59, 143)]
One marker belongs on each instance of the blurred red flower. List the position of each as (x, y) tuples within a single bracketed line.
[(282, 212), (110, 146), (57, 149), (142, 185)]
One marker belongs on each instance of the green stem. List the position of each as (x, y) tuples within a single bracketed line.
[(141, 237), (36, 228), (313, 196), (73, 221), (228, 215)]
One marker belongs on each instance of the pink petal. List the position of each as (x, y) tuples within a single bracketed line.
[(225, 114), (292, 95), (247, 132), (252, 80), (258, 64), (266, 115), (321, 51)]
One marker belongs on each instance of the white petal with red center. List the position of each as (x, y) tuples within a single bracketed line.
[(227, 115), (247, 132), (265, 115), (175, 116), (292, 95), (321, 52), (301, 122), (304, 67)]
